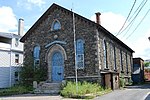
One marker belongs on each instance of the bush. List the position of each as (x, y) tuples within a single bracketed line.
[(14, 90), (30, 73), (83, 89), (122, 81)]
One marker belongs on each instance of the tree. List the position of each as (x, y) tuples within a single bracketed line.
[(146, 64)]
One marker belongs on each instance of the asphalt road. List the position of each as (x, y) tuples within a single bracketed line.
[(140, 92)]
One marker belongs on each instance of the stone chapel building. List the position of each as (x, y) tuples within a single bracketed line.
[(100, 56)]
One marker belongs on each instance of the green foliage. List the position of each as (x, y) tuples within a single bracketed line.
[(14, 90), (146, 64), (30, 73), (122, 81), (83, 90)]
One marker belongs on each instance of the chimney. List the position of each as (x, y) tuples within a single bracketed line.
[(20, 27), (98, 18)]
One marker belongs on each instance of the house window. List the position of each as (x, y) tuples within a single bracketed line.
[(56, 25), (80, 54), (121, 62), (17, 58), (105, 54), (36, 55), (16, 76), (16, 42)]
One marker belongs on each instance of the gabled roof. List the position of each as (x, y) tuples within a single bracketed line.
[(9, 35), (54, 6)]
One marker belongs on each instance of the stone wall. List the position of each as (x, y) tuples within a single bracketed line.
[(111, 60), (43, 35), (93, 45)]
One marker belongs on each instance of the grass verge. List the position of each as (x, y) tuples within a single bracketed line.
[(14, 90)]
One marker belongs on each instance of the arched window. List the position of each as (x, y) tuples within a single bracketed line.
[(121, 60), (80, 53), (105, 53), (36, 55), (56, 25)]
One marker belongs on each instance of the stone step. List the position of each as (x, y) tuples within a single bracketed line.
[(51, 86), (48, 88), (37, 91)]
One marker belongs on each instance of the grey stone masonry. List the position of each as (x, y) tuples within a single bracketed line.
[(90, 32)]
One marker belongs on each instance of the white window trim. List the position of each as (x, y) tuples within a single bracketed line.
[(52, 26), (80, 55)]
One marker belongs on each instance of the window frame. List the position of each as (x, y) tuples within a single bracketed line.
[(17, 59), (16, 75), (114, 56), (121, 60), (105, 54), (36, 55), (80, 53), (53, 25)]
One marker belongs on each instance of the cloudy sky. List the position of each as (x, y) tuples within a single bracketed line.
[(113, 15)]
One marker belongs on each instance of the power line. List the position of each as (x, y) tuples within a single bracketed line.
[(127, 18), (136, 10), (139, 24), (131, 18), (131, 22)]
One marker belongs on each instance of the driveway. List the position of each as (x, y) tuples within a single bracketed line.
[(139, 92)]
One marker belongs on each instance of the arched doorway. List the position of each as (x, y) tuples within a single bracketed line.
[(56, 57), (57, 67)]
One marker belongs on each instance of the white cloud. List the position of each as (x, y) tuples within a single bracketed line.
[(8, 21), (142, 46), (36, 2), (28, 4), (111, 21)]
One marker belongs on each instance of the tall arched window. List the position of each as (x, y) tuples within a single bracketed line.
[(105, 53), (36, 55), (121, 60), (80, 53), (56, 25), (115, 67)]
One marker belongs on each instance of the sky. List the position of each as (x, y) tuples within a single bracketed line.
[(113, 15)]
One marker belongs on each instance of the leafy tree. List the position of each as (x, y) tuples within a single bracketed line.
[(146, 64)]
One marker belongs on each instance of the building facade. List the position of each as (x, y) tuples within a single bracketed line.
[(138, 70), (11, 58), (100, 56)]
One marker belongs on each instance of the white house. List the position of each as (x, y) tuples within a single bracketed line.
[(11, 57)]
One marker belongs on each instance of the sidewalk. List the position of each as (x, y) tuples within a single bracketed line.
[(35, 97)]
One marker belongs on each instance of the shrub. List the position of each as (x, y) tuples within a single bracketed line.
[(84, 88), (14, 90), (121, 81), (30, 73)]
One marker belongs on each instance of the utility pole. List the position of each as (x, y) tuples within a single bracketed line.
[(76, 69)]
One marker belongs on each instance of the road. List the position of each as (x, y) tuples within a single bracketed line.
[(140, 92)]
